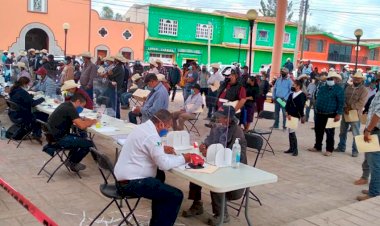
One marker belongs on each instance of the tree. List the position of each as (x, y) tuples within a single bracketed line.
[(313, 28), (118, 16), (107, 13), (270, 7)]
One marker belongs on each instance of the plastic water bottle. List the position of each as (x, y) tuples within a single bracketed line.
[(3, 131), (236, 150)]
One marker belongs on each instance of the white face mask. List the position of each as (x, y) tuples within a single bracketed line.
[(330, 83), (39, 77), (26, 88)]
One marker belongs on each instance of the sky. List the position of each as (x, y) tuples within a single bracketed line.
[(341, 17)]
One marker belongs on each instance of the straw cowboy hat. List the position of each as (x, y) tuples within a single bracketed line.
[(86, 54), (22, 53), (215, 65), (5, 51), (135, 77), (302, 76), (333, 74), (31, 50), (153, 62), (161, 78), (44, 51), (158, 61), (120, 58), (69, 84), (37, 51), (358, 74), (21, 65), (109, 58)]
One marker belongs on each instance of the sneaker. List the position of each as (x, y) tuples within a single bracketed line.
[(365, 192), (75, 167), (327, 153), (363, 197), (195, 209), (216, 219), (361, 181), (338, 150), (314, 150)]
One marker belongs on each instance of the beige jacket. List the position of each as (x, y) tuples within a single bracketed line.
[(67, 73), (355, 98)]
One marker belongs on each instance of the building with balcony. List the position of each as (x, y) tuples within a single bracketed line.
[(180, 35), (324, 50), (38, 24)]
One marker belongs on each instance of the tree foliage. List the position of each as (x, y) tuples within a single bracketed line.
[(107, 13), (313, 28), (118, 16), (269, 8)]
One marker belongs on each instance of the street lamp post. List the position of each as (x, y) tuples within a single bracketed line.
[(358, 33), (240, 37), (66, 27), (251, 16)]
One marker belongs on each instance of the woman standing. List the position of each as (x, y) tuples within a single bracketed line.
[(263, 90), (252, 90), (295, 108)]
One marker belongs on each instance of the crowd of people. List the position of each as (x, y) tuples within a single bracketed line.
[(232, 98)]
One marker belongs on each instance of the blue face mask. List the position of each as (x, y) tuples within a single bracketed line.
[(105, 64), (79, 109), (192, 92), (190, 68), (70, 94), (163, 132)]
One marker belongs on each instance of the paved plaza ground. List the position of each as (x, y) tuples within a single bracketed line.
[(311, 190)]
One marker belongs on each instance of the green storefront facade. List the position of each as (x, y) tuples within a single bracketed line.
[(177, 35)]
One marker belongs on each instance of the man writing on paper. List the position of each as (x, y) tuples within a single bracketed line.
[(136, 168), (225, 132), (355, 99), (193, 105), (373, 158), (329, 104), (281, 90), (156, 100)]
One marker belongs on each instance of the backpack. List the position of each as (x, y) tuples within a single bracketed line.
[(17, 132)]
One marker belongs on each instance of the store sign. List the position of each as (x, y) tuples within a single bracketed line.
[(189, 51), (168, 50)]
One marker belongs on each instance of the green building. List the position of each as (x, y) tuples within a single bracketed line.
[(179, 35)]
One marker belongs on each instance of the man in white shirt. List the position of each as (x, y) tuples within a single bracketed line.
[(193, 105), (136, 168)]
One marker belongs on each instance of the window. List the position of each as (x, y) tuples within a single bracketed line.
[(340, 53), (166, 58), (320, 46), (39, 6), (127, 34), (373, 54), (127, 55), (263, 35), (168, 27), (202, 31), (240, 32), (287, 38), (102, 53), (306, 44)]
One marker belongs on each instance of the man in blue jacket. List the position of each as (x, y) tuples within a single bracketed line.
[(281, 91)]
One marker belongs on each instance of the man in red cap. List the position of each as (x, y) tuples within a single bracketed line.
[(45, 83)]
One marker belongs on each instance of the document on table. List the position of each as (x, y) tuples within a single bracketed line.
[(363, 146), (207, 168), (352, 116), (105, 129), (331, 124), (292, 123)]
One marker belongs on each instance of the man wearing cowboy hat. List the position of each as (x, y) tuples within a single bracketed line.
[(116, 76), (89, 72), (153, 68), (137, 83), (282, 89), (45, 83), (161, 69), (355, 99), (329, 104), (214, 81), (23, 71), (174, 78), (289, 65), (71, 88)]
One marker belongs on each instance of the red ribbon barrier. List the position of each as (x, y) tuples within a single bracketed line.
[(37, 213)]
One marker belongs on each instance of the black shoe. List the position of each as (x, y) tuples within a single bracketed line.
[(195, 209), (295, 153), (288, 151)]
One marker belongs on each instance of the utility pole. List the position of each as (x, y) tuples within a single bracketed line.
[(304, 26), (299, 31)]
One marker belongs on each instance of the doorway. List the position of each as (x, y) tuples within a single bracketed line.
[(36, 38)]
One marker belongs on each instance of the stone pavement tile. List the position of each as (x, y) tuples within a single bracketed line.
[(12, 221), (344, 222), (361, 221), (354, 212), (300, 222), (328, 217)]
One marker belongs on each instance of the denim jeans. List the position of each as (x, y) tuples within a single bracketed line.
[(343, 134), (186, 93), (79, 147), (277, 108), (124, 99), (373, 159), (166, 200)]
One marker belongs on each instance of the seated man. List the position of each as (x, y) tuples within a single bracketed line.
[(218, 134), (192, 104), (60, 122), (45, 83), (136, 168), (137, 83), (156, 100), (72, 88)]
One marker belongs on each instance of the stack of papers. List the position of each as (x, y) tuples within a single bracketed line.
[(292, 123), (207, 168), (141, 93), (363, 146), (352, 116), (331, 124)]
